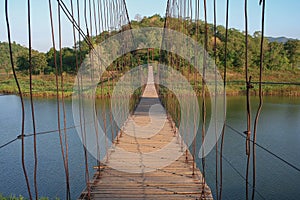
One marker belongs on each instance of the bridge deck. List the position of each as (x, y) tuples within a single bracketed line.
[(149, 160)]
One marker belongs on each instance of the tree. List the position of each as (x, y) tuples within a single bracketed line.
[(39, 62), (275, 57), (292, 48), (69, 60), (17, 50), (50, 60)]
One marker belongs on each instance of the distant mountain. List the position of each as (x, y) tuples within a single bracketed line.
[(279, 39)]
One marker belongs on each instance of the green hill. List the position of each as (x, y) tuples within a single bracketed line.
[(281, 58)]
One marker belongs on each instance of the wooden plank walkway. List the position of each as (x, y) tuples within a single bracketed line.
[(149, 159)]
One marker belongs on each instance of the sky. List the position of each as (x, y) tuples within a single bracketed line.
[(282, 18)]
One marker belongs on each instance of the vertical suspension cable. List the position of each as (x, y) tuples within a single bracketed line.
[(95, 115), (74, 36), (188, 114), (164, 35), (56, 77), (85, 19), (215, 96), (105, 131), (109, 12), (248, 85), (183, 29), (31, 101), (87, 177), (64, 152), (111, 123), (105, 14), (100, 18), (90, 15), (224, 100), (95, 18), (127, 15), (109, 16), (114, 13), (21, 99), (81, 107), (203, 96), (260, 97), (76, 52), (197, 9), (102, 29), (77, 62)]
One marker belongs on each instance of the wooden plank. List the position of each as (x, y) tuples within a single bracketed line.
[(174, 181)]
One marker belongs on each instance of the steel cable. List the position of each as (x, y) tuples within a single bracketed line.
[(249, 86), (265, 149), (66, 154), (215, 94), (224, 99), (31, 100), (260, 98), (203, 94), (21, 99)]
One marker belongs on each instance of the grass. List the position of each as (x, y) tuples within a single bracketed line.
[(13, 197), (236, 82), (45, 86)]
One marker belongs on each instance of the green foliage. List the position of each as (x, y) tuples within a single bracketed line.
[(275, 58), (13, 197), (5, 64), (67, 61), (279, 58), (38, 62), (292, 48)]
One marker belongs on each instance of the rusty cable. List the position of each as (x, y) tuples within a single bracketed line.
[(224, 100), (260, 98), (248, 86), (95, 17), (203, 96), (63, 151), (215, 96), (90, 15), (31, 101), (21, 99)]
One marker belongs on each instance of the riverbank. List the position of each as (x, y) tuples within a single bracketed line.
[(13, 197), (276, 83), (45, 86)]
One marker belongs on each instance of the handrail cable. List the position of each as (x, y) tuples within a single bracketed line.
[(265, 149)]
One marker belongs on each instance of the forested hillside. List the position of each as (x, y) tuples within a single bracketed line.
[(281, 59)]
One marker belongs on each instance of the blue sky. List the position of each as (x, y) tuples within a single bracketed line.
[(282, 18)]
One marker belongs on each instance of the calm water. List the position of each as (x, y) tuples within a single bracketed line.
[(279, 132)]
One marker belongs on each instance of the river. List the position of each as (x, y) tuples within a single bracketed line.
[(278, 133)]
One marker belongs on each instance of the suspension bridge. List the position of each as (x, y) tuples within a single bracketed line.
[(137, 175), (132, 165)]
